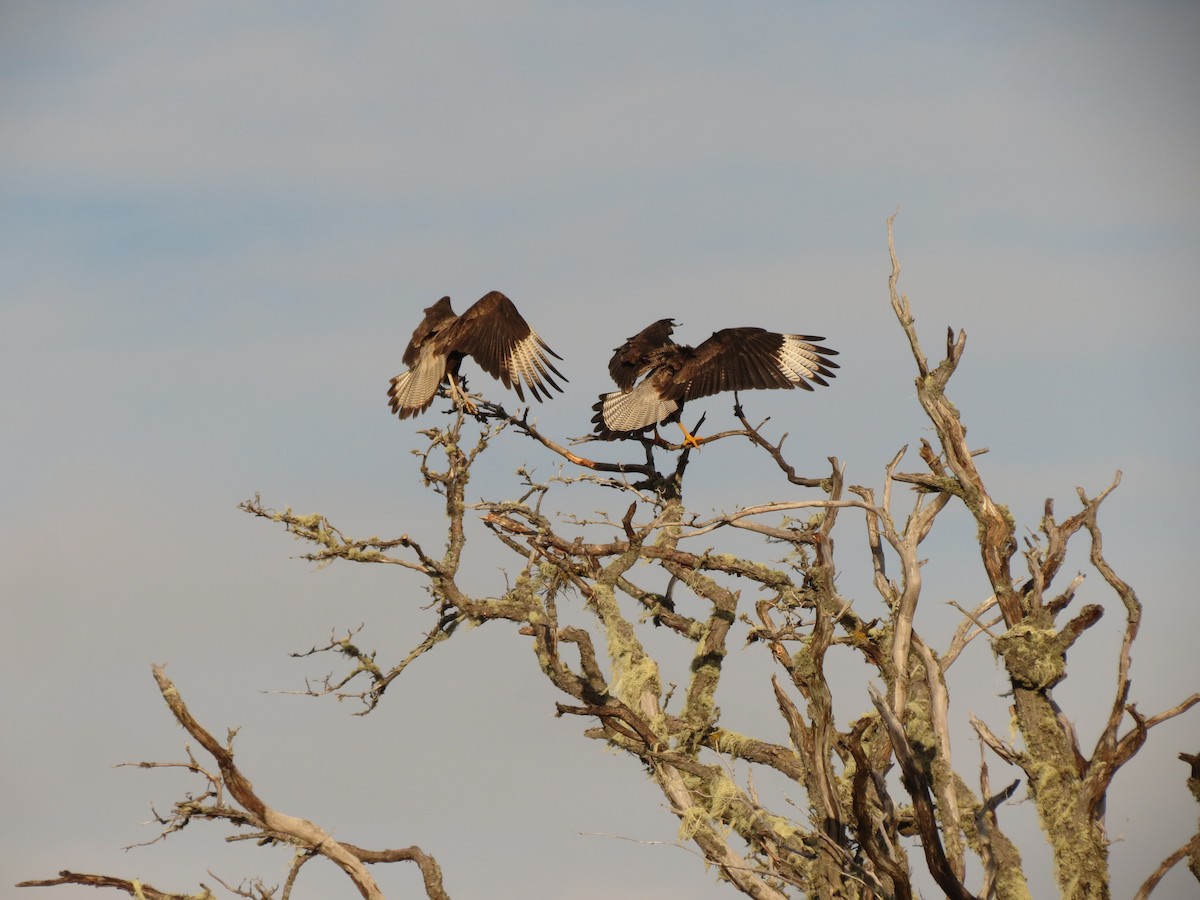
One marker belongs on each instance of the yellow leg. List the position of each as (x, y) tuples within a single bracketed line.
[(460, 398), (689, 439)]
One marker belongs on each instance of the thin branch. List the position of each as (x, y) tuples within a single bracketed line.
[(996, 541), (133, 888), (1005, 751), (317, 529), (1189, 850)]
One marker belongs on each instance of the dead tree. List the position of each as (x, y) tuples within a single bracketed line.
[(883, 794), (229, 797)]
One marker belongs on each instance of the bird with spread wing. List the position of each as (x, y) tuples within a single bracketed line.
[(733, 359), (492, 333)]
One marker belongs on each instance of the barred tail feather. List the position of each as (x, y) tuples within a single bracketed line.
[(625, 412), (413, 391)]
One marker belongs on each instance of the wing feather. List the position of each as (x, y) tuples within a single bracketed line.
[(496, 336), (741, 359)]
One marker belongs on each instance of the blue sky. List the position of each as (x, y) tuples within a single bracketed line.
[(219, 224)]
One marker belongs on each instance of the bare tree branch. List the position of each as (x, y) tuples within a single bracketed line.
[(133, 888)]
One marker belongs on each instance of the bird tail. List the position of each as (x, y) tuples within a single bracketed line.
[(413, 391), (625, 412)]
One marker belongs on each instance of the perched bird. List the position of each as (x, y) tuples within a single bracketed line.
[(492, 333), (734, 359)]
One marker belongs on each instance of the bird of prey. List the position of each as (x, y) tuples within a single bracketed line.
[(734, 359), (492, 333)]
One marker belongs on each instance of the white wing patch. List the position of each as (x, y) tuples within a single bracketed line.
[(527, 360), (797, 359), (636, 409)]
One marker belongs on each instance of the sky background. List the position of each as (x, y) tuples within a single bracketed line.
[(219, 223)]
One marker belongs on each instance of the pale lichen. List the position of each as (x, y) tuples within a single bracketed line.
[(1034, 655)]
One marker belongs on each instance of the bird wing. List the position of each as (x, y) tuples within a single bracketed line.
[(495, 335), (740, 359), (640, 353)]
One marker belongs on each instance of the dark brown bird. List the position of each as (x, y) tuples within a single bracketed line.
[(492, 333), (734, 359)]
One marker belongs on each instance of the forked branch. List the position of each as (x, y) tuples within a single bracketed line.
[(251, 810)]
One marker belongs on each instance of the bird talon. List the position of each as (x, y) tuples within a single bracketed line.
[(689, 439)]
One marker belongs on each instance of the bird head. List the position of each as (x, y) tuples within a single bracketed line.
[(441, 308), (660, 331)]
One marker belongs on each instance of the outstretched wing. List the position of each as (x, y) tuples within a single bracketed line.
[(640, 353), (740, 359), (495, 335)]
